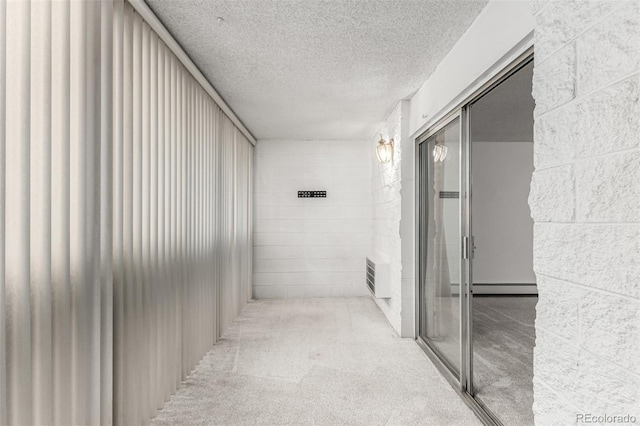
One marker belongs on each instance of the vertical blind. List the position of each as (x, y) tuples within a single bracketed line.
[(125, 215)]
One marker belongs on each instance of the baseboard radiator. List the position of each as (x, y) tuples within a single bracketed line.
[(378, 278)]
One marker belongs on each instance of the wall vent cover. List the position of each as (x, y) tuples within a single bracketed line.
[(378, 278)]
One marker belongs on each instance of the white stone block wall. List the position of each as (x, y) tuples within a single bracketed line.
[(393, 219), (311, 247), (585, 201)]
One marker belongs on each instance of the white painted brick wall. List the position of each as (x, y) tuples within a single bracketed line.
[(393, 223), (311, 247), (585, 200)]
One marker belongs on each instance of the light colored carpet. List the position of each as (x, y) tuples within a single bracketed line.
[(315, 361)]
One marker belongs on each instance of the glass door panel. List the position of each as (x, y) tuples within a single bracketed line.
[(440, 243), (504, 283)]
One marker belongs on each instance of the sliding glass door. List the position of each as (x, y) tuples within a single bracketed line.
[(445, 246), (440, 225)]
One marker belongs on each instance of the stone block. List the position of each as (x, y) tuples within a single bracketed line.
[(603, 256), (551, 409), (554, 79), (609, 119), (554, 362), (609, 50), (608, 188), (610, 328), (603, 387), (557, 307), (552, 196), (559, 22), (590, 384), (538, 5), (556, 137)]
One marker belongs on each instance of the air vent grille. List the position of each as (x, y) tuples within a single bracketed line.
[(371, 275), (377, 278)]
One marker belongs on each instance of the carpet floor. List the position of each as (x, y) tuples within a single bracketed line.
[(315, 361)]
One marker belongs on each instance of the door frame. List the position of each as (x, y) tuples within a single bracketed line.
[(464, 384)]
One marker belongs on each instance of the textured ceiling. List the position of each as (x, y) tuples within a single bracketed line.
[(505, 114), (312, 69)]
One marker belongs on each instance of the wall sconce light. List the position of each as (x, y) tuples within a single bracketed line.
[(384, 150), (439, 153)]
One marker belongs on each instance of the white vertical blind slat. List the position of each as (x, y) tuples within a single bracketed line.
[(172, 152), (128, 296), (192, 143), (90, 304), (3, 108), (200, 321), (163, 212), (16, 231), (119, 343), (60, 215), (185, 141), (155, 295), (193, 225), (40, 225), (146, 356), (106, 212), (178, 208), (78, 216), (138, 339), (163, 305)]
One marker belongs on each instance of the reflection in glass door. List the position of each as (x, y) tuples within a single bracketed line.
[(440, 244)]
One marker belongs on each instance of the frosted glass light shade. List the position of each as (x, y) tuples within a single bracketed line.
[(384, 150)]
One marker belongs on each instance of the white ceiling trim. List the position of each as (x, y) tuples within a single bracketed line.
[(147, 14)]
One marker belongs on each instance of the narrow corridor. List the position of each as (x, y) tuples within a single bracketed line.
[(315, 361)]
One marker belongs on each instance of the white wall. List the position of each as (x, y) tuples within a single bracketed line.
[(311, 247), (393, 218), (584, 200), (502, 224)]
